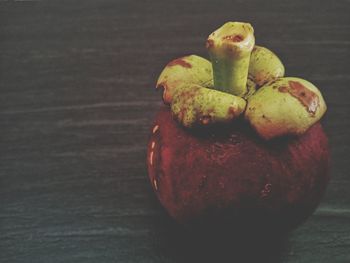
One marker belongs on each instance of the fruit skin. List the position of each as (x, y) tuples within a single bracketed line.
[(230, 173)]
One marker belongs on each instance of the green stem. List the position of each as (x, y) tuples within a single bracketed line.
[(229, 48)]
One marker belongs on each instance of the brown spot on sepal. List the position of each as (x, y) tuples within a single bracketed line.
[(281, 89), (308, 98), (231, 112), (205, 120), (233, 38), (179, 62)]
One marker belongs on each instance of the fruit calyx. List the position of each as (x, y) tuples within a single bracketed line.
[(241, 78)]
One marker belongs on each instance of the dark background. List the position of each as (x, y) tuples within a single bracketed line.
[(77, 100)]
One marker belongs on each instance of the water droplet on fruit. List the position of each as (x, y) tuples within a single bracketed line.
[(153, 144), (222, 185), (268, 187), (218, 145), (235, 139), (202, 183), (265, 192), (151, 158), (155, 129), (155, 184)]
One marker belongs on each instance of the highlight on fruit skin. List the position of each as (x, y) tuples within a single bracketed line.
[(286, 106)]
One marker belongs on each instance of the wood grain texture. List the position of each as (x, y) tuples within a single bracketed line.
[(76, 103)]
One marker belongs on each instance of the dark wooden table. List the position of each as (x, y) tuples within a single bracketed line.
[(76, 102)]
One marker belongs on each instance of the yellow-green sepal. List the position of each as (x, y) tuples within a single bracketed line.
[(182, 72), (264, 66), (286, 106), (196, 105)]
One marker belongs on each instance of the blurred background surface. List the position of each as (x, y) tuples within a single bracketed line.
[(77, 100)]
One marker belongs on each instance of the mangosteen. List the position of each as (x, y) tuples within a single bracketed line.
[(236, 141)]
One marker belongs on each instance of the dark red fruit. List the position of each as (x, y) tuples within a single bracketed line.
[(229, 174)]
